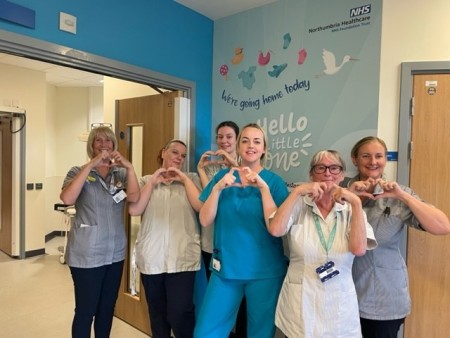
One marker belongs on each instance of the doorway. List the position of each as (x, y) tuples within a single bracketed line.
[(423, 156), (15, 44), (5, 185), (143, 126)]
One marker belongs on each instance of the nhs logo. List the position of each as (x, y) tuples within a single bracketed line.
[(357, 11)]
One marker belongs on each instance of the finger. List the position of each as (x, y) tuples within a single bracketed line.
[(366, 194), (232, 170), (220, 152), (245, 170)]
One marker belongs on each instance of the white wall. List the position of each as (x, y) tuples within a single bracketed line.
[(28, 90), (68, 111), (412, 30)]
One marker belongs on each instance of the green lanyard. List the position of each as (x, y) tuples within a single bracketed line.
[(327, 246)]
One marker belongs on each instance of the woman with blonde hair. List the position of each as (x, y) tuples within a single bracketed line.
[(247, 260), (97, 242)]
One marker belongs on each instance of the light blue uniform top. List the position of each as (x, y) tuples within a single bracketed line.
[(242, 243), (381, 277)]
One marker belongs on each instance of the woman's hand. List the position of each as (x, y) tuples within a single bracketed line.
[(227, 181), (220, 157), (342, 195), (365, 188), (161, 175), (226, 158), (174, 174), (101, 160), (251, 178), (315, 190), (117, 160), (205, 160), (390, 190)]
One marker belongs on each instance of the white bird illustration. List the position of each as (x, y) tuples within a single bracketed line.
[(329, 61)]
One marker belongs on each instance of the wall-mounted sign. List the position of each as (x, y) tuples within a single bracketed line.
[(17, 14)]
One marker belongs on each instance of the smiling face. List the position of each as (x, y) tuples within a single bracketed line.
[(370, 159), (174, 155), (327, 167), (226, 139), (102, 143), (251, 146), (101, 138)]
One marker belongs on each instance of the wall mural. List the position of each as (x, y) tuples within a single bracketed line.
[(306, 71)]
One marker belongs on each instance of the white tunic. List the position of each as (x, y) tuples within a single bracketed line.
[(306, 306), (169, 238)]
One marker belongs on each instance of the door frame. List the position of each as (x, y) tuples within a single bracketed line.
[(17, 199), (12, 43), (24, 46), (408, 70)]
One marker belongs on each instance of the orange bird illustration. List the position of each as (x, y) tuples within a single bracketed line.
[(238, 56)]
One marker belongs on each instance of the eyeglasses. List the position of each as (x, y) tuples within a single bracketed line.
[(96, 125), (334, 169)]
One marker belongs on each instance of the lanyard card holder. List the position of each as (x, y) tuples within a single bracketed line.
[(327, 271)]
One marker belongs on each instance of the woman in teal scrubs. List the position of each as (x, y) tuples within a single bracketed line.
[(247, 260)]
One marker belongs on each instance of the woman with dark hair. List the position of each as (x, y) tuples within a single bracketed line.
[(210, 163), (247, 260), (380, 276), (168, 242), (97, 243)]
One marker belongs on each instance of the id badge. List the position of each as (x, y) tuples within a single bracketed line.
[(216, 264), (327, 271), (120, 196)]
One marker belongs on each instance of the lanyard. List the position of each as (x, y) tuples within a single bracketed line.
[(327, 246), (112, 188)]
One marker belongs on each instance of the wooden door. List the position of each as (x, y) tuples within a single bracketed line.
[(5, 186), (143, 126), (427, 255)]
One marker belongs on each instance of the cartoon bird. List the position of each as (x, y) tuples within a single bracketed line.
[(264, 60), (329, 61), (238, 56)]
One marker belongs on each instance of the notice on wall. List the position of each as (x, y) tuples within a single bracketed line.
[(306, 71)]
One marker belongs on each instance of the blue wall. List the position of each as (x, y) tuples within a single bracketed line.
[(159, 35)]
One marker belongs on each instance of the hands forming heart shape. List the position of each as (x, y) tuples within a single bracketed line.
[(246, 175), (167, 176), (220, 157)]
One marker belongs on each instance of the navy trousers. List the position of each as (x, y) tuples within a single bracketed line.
[(170, 300), (96, 291)]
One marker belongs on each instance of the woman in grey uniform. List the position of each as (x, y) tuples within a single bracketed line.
[(97, 243), (380, 276)]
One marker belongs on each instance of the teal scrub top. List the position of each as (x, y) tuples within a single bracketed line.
[(242, 243)]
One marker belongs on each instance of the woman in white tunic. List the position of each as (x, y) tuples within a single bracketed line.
[(326, 229), (168, 242)]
